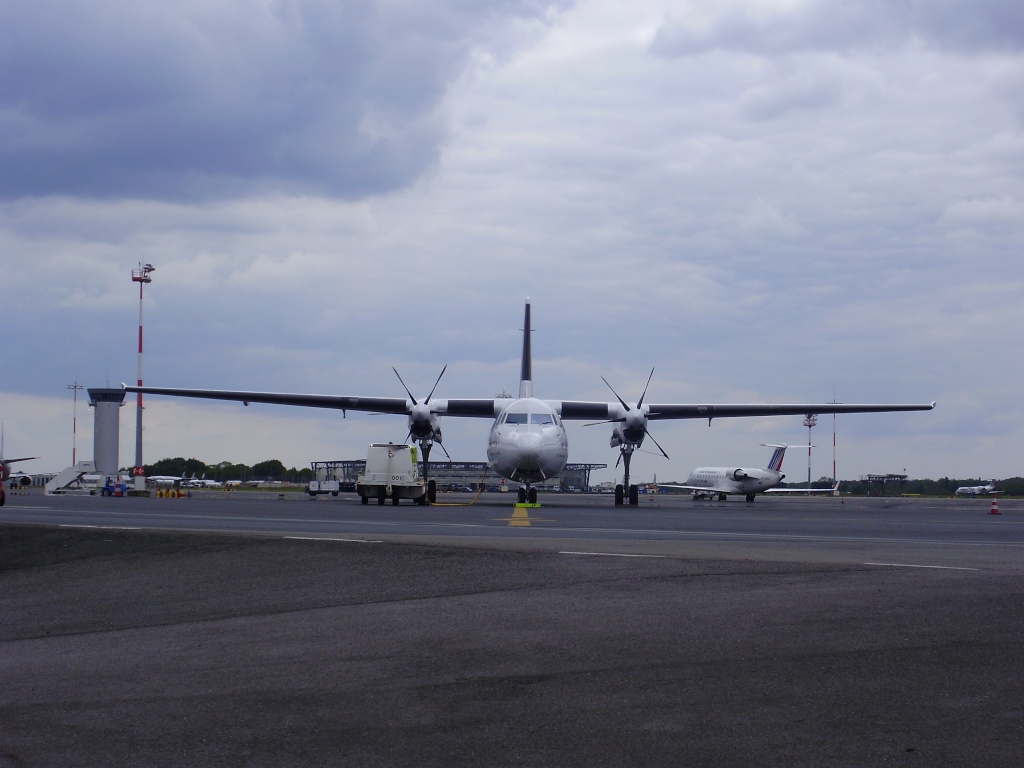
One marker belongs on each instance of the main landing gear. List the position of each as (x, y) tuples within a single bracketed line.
[(624, 494), (527, 495)]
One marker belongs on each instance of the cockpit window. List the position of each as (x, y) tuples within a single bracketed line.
[(515, 418), (541, 418)]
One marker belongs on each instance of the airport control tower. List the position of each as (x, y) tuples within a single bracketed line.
[(106, 429)]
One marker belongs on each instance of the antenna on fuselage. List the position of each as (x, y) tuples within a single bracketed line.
[(526, 372)]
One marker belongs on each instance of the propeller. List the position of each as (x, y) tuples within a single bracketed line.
[(424, 426), (627, 435), (634, 423), (423, 423)]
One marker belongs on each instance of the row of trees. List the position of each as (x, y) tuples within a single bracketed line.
[(944, 486), (271, 470)]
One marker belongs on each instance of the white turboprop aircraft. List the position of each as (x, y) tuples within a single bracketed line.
[(708, 482), (977, 490), (527, 442)]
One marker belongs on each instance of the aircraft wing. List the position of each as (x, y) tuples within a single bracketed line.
[(574, 409), (11, 461), (704, 488), (455, 407), (804, 491)]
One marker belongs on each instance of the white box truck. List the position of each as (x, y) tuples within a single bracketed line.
[(391, 473)]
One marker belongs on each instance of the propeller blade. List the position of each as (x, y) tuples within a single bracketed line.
[(608, 421), (641, 401), (624, 405), (407, 391), (439, 381), (648, 432)]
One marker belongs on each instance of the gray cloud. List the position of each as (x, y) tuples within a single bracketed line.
[(820, 25), (204, 100)]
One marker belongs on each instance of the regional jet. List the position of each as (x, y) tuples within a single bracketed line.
[(527, 442), (708, 482), (977, 490)]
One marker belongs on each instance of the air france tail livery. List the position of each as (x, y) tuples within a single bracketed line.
[(527, 441)]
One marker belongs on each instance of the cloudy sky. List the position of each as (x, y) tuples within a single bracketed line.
[(767, 201)]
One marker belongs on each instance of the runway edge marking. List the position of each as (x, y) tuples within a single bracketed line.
[(933, 567), (610, 554)]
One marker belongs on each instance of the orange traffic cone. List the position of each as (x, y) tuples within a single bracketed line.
[(995, 506)]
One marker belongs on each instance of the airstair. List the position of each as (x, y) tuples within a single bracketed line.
[(60, 483)]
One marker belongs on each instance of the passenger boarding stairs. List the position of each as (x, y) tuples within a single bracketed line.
[(70, 476)]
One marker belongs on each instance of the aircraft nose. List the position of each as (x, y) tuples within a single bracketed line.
[(528, 448)]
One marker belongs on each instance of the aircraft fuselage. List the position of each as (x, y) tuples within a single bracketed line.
[(720, 480), (527, 443)]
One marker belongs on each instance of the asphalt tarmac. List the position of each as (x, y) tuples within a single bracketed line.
[(875, 633)]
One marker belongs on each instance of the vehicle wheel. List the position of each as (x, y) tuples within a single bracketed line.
[(334, 493), (3, 497), (364, 499), (312, 495), (531, 495), (634, 496), (394, 497), (432, 491), (619, 495), (382, 496)]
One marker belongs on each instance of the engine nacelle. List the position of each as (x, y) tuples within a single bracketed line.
[(423, 423), (739, 474)]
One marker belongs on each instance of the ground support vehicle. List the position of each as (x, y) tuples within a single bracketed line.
[(391, 473)]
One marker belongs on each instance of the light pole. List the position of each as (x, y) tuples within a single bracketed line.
[(809, 422), (140, 276), (74, 422)]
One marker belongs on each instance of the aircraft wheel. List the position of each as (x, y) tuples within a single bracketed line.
[(619, 495), (3, 497), (634, 496), (531, 495), (721, 497), (750, 498), (521, 496)]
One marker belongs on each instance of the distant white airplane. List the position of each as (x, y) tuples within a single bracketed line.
[(166, 481), (527, 442), (708, 482), (977, 490)]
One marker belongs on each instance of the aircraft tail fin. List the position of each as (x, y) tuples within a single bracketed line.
[(775, 464), (526, 372)]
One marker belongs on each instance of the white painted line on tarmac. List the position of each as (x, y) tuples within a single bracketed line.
[(103, 527), (611, 554), (328, 538), (934, 567)]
